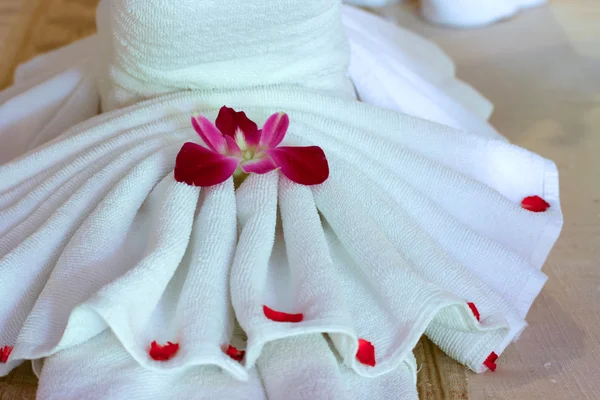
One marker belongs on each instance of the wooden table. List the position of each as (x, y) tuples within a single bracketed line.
[(542, 70)]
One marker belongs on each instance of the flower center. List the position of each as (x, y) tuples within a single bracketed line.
[(247, 155)]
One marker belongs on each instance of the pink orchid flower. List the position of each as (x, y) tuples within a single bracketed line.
[(236, 147)]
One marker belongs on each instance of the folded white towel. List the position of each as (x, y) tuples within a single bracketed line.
[(278, 42), (393, 68), (101, 369), (126, 285), (416, 221)]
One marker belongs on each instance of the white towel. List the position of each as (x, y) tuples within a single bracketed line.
[(461, 13), (278, 42), (75, 374), (435, 296), (101, 369), (472, 13), (396, 69), (416, 221)]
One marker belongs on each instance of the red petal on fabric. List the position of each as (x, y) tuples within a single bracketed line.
[(209, 134), (366, 353), (274, 131), (535, 204), (475, 311), (230, 122), (303, 165), (237, 355), (490, 362), (259, 165), (278, 316), (198, 166), (163, 353), (5, 354)]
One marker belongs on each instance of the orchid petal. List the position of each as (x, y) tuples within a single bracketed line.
[(226, 121), (274, 130), (198, 166), (259, 165), (303, 165), (237, 125), (232, 148), (209, 134)]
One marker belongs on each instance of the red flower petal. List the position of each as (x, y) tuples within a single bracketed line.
[(475, 311), (209, 134), (259, 165), (278, 316), (274, 131), (198, 166), (490, 362), (232, 123), (237, 355), (5, 354), (366, 353), (163, 353), (303, 165), (535, 204)]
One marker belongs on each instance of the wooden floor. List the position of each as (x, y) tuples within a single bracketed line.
[(542, 70)]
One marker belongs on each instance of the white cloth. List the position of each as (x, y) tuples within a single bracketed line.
[(472, 13), (305, 46), (416, 220), (396, 69), (461, 13), (73, 374)]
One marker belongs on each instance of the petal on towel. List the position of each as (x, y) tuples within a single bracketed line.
[(5, 354), (209, 134), (163, 352), (274, 130), (473, 308), (279, 316), (199, 166), (237, 355), (535, 204), (490, 362), (238, 126), (259, 165), (366, 353), (303, 165)]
